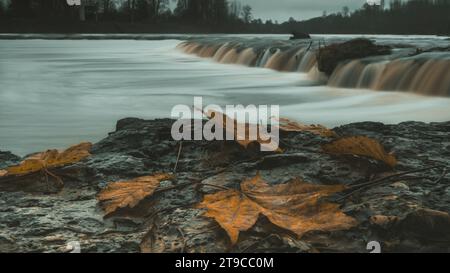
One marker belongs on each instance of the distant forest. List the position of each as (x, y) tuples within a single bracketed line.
[(216, 16)]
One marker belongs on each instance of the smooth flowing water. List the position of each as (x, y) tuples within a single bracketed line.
[(54, 93)]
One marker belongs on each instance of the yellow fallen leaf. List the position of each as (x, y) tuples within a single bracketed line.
[(294, 206), (293, 126), (129, 193), (362, 146), (242, 132), (50, 159)]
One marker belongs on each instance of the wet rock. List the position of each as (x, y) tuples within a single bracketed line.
[(329, 57), (434, 49), (404, 215), (33, 183), (281, 160), (8, 159), (427, 224)]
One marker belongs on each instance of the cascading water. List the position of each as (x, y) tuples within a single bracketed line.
[(280, 57), (426, 73)]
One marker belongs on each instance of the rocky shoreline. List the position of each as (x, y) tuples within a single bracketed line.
[(408, 214)]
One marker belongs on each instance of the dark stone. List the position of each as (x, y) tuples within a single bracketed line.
[(299, 35), (329, 57), (426, 223), (434, 49), (8, 159)]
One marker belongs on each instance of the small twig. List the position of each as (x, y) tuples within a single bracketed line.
[(46, 179), (253, 159), (377, 181), (380, 181), (184, 239), (58, 179), (178, 157), (177, 186), (216, 186), (194, 182)]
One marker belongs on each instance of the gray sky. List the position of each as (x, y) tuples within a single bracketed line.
[(281, 10)]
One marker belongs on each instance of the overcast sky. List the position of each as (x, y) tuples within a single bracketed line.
[(281, 10)]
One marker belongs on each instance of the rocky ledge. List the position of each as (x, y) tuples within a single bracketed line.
[(329, 57), (407, 214)]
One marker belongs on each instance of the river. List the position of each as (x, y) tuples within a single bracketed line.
[(54, 93)]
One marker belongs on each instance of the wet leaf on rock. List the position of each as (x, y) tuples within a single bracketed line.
[(242, 131), (295, 206), (129, 193), (361, 146), (50, 159), (288, 125)]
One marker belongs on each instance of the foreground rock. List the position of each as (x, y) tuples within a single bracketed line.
[(407, 215)]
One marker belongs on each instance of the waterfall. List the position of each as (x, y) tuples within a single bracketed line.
[(267, 54), (281, 58), (426, 73)]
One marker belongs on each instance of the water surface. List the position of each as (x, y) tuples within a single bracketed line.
[(54, 93)]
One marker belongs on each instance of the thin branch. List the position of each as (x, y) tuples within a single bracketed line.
[(216, 186), (178, 157), (58, 179), (177, 186), (184, 239), (380, 181), (375, 182)]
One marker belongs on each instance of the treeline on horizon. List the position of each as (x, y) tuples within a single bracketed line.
[(401, 17), (206, 16)]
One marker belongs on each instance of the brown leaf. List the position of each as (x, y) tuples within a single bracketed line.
[(294, 206), (293, 126), (383, 220), (50, 159), (242, 137), (362, 146), (129, 193)]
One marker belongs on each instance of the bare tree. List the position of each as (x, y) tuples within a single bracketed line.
[(345, 11), (235, 9), (247, 14), (82, 11)]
